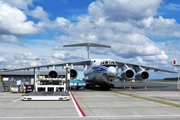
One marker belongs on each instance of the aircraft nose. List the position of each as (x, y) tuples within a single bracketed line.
[(111, 71)]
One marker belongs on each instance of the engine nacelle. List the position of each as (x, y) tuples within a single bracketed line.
[(53, 74), (127, 74), (73, 74), (142, 75)]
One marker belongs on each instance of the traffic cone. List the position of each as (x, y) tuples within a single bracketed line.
[(130, 88), (145, 87)]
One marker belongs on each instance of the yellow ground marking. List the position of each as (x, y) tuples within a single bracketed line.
[(149, 99)]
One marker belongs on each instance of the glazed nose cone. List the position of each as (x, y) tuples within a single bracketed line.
[(111, 71)]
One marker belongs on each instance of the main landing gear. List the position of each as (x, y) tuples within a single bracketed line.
[(106, 86), (101, 87)]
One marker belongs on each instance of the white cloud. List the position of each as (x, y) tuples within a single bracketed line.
[(113, 23), (159, 26), (25, 56), (14, 21), (123, 10), (172, 6), (21, 4), (9, 39), (133, 45), (160, 57), (61, 55), (61, 24), (25, 59), (139, 60), (2, 60), (39, 13)]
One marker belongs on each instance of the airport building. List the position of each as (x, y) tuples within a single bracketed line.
[(17, 78)]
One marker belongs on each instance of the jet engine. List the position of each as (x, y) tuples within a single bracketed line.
[(73, 74), (127, 74), (142, 75), (53, 74)]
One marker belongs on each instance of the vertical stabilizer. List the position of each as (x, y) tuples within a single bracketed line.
[(87, 45)]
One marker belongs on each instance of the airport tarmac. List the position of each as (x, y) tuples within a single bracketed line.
[(149, 85), (119, 103)]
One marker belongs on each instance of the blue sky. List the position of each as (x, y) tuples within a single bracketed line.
[(142, 32), (170, 9), (65, 8)]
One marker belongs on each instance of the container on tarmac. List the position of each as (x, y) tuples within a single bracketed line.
[(77, 84), (14, 89), (29, 88)]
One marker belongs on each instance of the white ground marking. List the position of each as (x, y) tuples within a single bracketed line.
[(75, 105), (16, 100), (101, 117)]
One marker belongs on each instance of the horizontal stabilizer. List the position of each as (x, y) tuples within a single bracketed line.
[(87, 45)]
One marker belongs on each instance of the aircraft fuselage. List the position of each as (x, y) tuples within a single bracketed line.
[(101, 72)]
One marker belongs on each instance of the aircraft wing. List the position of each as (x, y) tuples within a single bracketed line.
[(120, 64), (79, 63)]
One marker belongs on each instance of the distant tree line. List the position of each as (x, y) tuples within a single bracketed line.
[(4, 69), (172, 79)]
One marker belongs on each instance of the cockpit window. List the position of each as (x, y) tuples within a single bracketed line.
[(108, 63)]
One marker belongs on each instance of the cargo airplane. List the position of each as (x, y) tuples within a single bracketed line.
[(102, 72)]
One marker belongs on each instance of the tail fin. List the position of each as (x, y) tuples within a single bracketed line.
[(87, 45)]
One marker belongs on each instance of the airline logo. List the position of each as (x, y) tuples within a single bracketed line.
[(99, 69)]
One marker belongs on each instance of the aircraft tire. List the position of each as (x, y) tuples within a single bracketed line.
[(87, 86), (111, 85), (105, 87)]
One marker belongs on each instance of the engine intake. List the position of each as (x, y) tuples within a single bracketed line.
[(73, 74), (127, 74), (53, 74), (142, 75)]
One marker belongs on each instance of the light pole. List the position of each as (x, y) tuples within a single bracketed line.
[(37, 59), (178, 85), (177, 64), (35, 64)]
